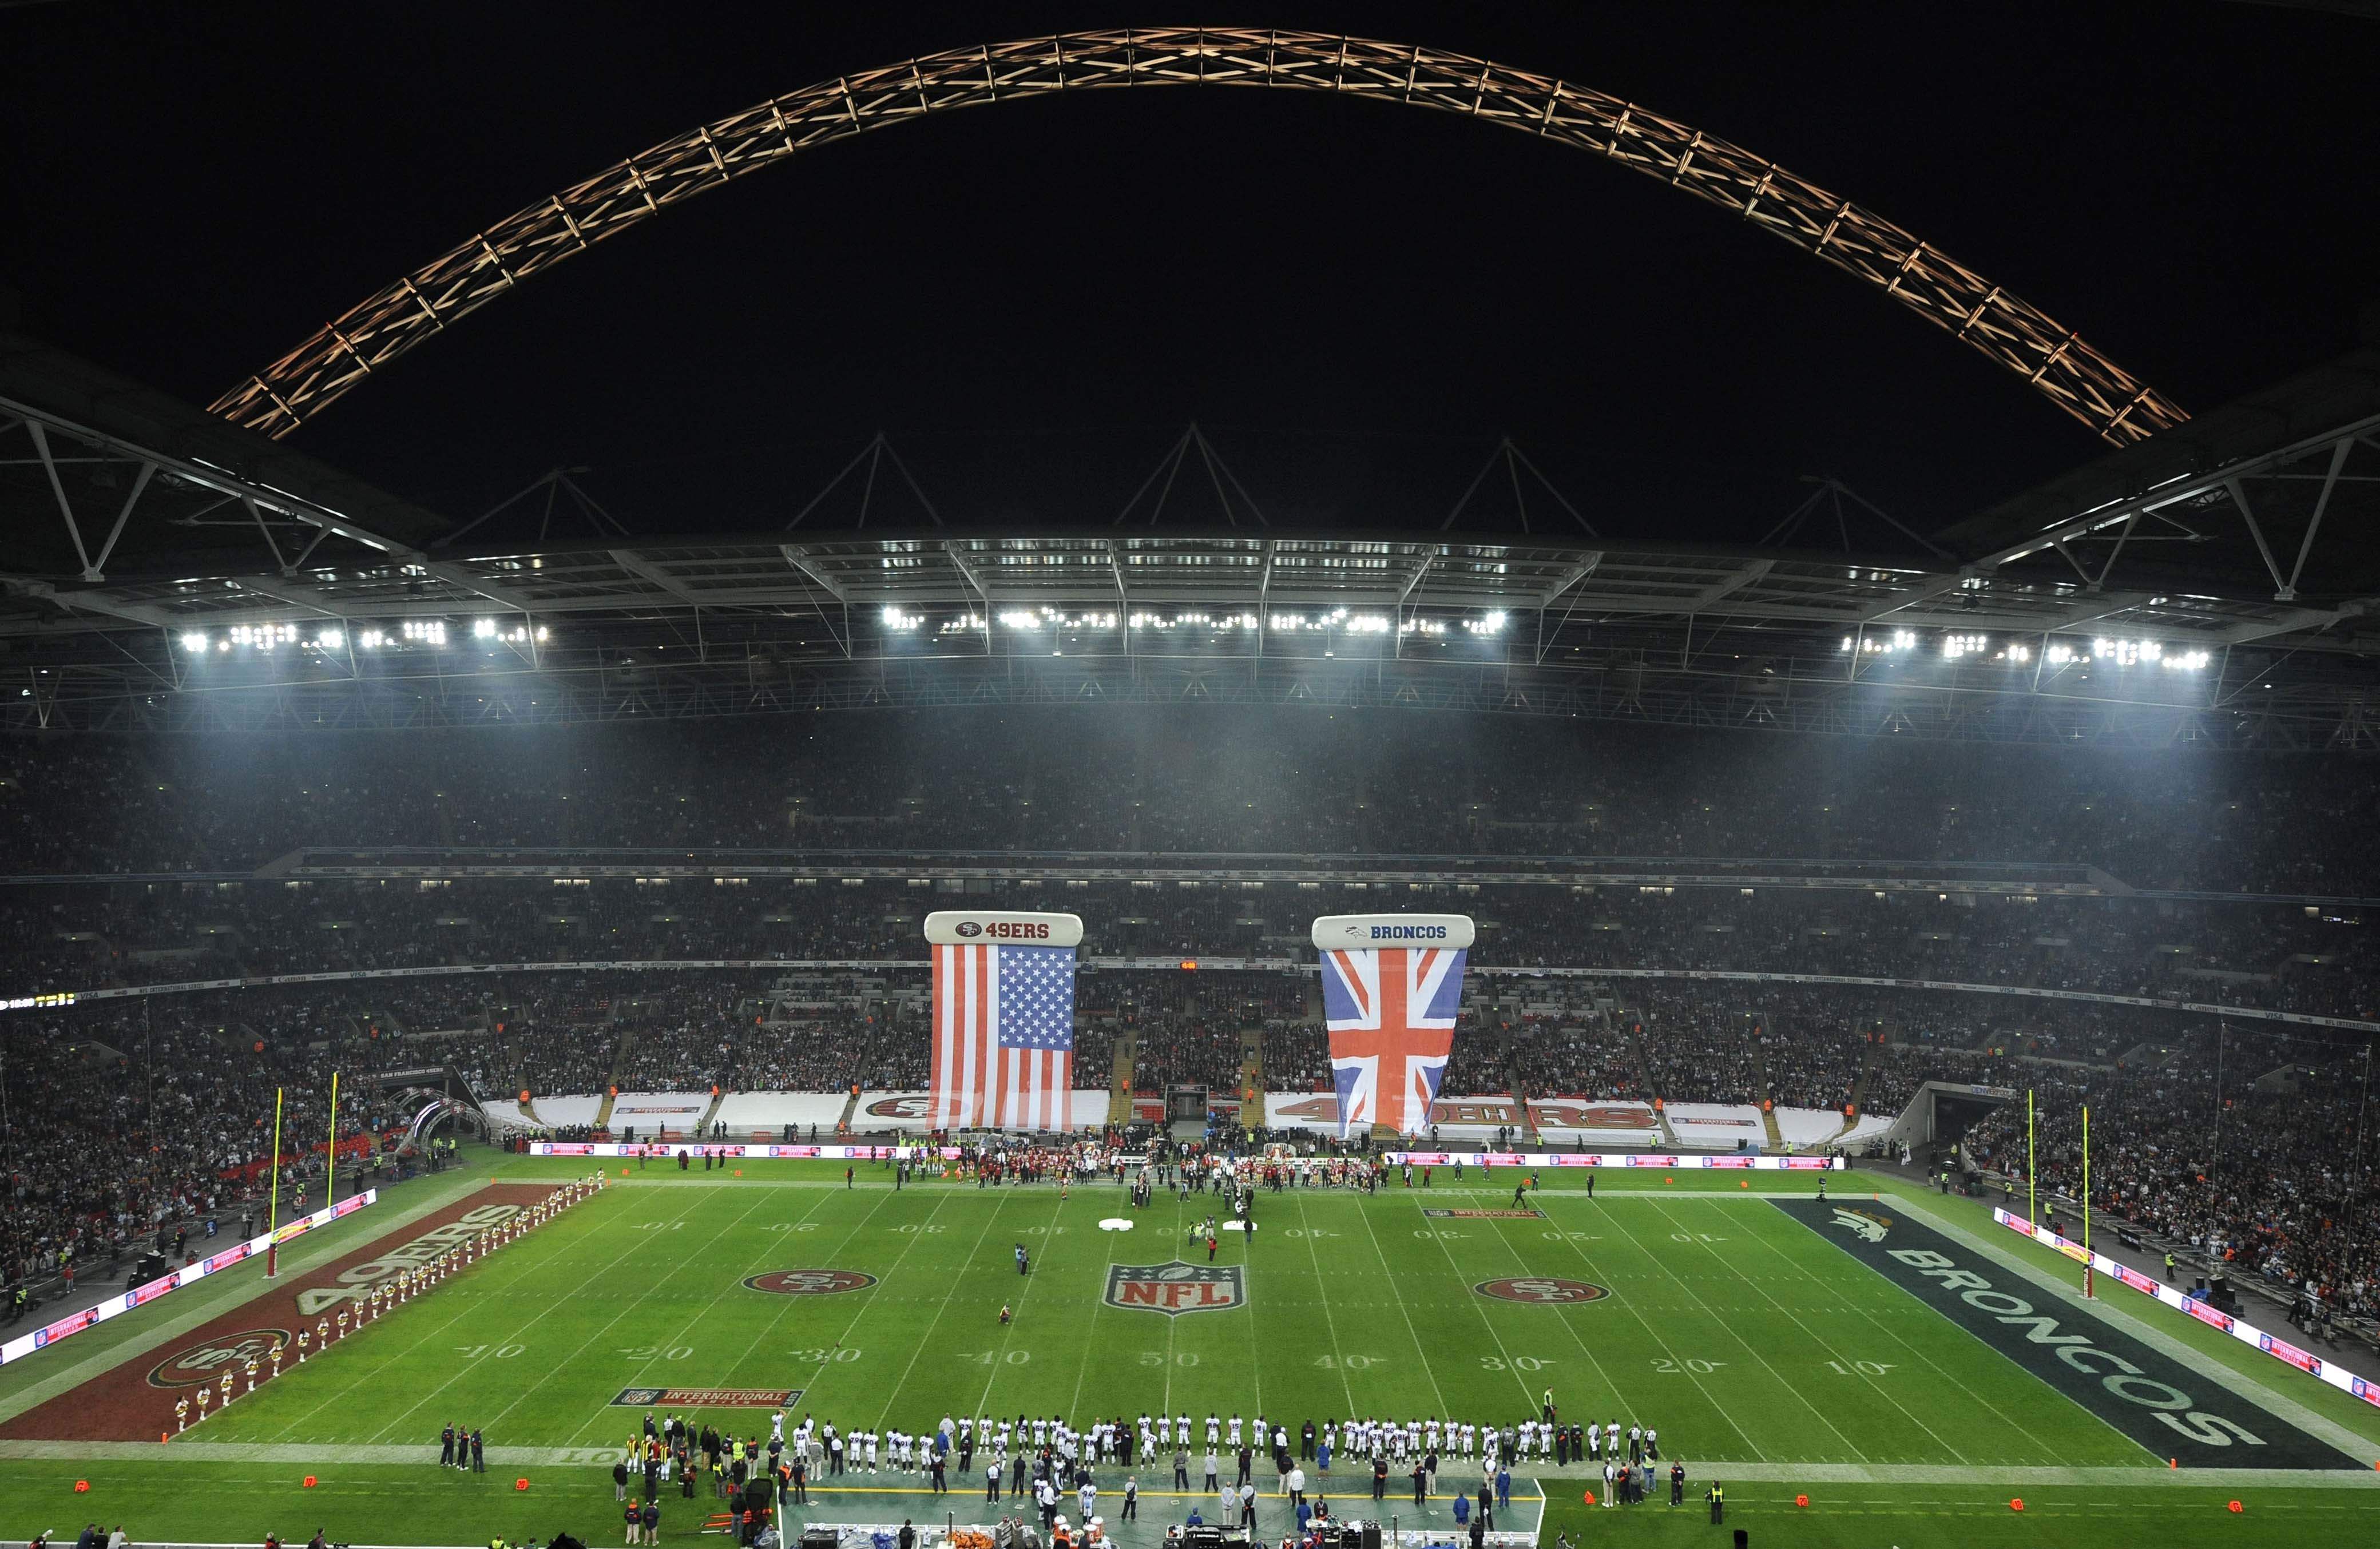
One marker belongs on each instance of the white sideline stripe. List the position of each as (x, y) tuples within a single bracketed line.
[(2017, 1475)]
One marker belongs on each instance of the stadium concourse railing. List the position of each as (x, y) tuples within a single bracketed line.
[(59, 1000), (189, 1274)]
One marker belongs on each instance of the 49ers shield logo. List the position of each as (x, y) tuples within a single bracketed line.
[(811, 1282), (207, 1362), (1175, 1288), (1542, 1291)]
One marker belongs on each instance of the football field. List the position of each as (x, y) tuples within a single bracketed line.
[(1868, 1349)]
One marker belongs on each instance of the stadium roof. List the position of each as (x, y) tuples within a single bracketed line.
[(163, 559)]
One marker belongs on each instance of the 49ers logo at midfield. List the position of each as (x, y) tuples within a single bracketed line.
[(1175, 1288), (1543, 1291), (205, 1363), (811, 1282)]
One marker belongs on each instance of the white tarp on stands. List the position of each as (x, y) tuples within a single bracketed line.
[(1716, 1126), (505, 1118), (910, 1111), (744, 1112), (1455, 1118), (1867, 1127), (1579, 1122), (560, 1111), (653, 1112), (1803, 1128)]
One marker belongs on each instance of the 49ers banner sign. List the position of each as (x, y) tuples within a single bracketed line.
[(1390, 987), (1004, 1019)]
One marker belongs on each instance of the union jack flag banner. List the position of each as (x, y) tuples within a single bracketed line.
[(1390, 1014), (1003, 1020)]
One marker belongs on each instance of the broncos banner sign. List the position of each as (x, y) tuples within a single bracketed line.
[(1390, 985)]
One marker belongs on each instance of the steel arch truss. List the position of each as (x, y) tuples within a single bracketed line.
[(2052, 358)]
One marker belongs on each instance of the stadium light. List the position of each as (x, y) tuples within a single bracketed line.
[(195, 640), (331, 639), (427, 632), (371, 640), (483, 629)]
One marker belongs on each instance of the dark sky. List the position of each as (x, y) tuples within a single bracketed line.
[(1354, 299)]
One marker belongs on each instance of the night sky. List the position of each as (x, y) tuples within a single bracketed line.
[(1355, 300)]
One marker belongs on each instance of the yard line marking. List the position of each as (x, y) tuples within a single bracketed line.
[(1338, 1355), (1165, 1404), (1647, 1323), (1572, 1329), (1770, 1297), (1812, 1336), (989, 1218), (463, 1307), (1008, 1334), (1652, 1255), (1389, 1277), (737, 1281), (770, 1328), (1529, 1400), (555, 1367), (2018, 1425)]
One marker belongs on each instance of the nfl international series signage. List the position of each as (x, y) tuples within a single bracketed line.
[(1390, 985), (704, 1397), (1004, 1019)]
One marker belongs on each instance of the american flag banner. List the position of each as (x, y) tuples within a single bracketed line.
[(1004, 1036), (1390, 1014)]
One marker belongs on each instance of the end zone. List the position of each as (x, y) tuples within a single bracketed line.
[(128, 1401)]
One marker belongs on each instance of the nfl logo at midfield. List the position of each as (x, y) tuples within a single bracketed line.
[(1390, 1014), (1176, 1287)]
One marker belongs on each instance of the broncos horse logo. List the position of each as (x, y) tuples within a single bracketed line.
[(1870, 1227)]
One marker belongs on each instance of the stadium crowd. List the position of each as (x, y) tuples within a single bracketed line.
[(125, 1113), (1237, 781), (2265, 956)]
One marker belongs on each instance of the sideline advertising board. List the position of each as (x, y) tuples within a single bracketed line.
[(2181, 1301), (141, 1295), (1663, 1160)]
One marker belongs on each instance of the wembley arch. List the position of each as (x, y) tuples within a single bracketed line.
[(2053, 360)]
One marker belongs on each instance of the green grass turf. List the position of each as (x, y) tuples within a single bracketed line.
[(1738, 1332)]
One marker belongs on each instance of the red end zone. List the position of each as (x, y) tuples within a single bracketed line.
[(133, 1401)]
